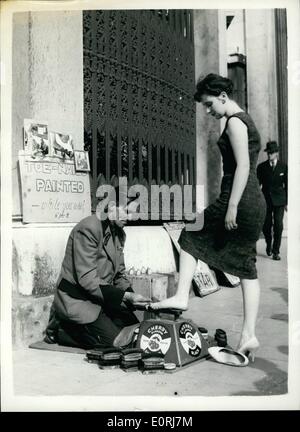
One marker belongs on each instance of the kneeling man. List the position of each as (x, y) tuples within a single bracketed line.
[(94, 302)]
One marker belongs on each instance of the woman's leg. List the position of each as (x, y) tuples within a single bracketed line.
[(251, 296), (187, 267)]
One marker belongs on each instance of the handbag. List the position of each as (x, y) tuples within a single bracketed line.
[(204, 280)]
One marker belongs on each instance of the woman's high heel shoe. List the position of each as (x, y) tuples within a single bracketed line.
[(249, 348), (228, 356)]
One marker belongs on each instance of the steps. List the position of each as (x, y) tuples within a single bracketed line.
[(29, 319)]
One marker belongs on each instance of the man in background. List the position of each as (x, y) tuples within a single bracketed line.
[(272, 175)]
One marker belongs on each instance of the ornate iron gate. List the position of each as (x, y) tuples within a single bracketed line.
[(138, 96)]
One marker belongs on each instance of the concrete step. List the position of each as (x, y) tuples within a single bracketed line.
[(29, 319), (30, 313)]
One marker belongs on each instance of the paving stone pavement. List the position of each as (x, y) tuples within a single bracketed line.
[(48, 373)]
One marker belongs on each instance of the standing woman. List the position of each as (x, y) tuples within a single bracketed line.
[(232, 224)]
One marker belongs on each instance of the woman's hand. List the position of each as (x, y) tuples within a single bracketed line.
[(230, 218)]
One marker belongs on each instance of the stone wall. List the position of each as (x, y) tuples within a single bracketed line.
[(47, 68), (47, 77), (206, 38), (261, 73), (29, 319)]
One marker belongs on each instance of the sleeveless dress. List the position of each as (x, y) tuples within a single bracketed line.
[(232, 251)]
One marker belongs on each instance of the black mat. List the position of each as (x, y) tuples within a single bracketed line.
[(41, 345)]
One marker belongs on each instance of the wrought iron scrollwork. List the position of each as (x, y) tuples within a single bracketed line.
[(139, 113)]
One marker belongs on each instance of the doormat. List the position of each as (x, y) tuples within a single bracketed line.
[(41, 345)]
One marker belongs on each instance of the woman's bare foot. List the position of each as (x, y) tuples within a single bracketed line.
[(174, 302)]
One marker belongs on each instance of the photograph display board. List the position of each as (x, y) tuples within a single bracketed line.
[(52, 191)]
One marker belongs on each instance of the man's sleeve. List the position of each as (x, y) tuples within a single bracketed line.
[(121, 281), (86, 249), (113, 295)]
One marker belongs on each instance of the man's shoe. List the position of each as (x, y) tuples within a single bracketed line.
[(50, 339), (276, 257), (126, 336), (268, 250)]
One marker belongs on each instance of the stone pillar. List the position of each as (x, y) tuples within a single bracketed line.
[(206, 39), (282, 90), (47, 67), (47, 85), (261, 73)]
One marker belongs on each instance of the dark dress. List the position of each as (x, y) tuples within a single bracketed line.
[(232, 251)]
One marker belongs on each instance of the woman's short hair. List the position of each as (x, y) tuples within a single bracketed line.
[(213, 85)]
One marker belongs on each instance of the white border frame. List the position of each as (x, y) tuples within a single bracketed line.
[(291, 401)]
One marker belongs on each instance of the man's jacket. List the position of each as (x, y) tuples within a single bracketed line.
[(274, 182), (92, 273)]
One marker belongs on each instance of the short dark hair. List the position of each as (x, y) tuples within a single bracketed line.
[(213, 85), (126, 200)]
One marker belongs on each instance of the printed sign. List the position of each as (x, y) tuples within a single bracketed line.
[(190, 339), (156, 339), (52, 191)]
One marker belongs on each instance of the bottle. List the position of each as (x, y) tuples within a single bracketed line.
[(204, 332), (221, 338)]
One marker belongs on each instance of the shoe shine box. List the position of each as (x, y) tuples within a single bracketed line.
[(179, 340)]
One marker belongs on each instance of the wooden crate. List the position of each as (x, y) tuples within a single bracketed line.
[(153, 286)]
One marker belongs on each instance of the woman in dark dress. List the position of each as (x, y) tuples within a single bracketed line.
[(232, 224)]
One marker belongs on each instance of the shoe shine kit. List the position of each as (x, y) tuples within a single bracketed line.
[(165, 343)]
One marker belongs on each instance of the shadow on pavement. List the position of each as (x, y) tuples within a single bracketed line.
[(274, 383), (283, 292), (284, 349), (280, 317), (263, 255)]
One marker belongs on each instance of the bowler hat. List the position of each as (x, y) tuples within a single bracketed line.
[(272, 147)]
